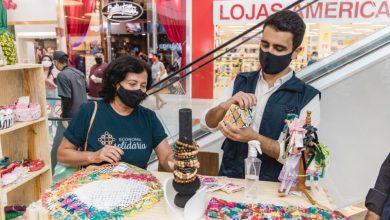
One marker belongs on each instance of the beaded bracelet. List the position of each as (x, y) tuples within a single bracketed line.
[(185, 158), (191, 153), (184, 181), (184, 176), (185, 169), (193, 146), (192, 163)]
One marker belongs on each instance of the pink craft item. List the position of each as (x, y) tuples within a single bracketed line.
[(27, 113)]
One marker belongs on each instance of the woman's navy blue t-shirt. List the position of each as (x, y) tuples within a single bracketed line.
[(136, 134)]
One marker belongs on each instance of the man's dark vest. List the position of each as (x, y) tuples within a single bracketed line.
[(290, 97)]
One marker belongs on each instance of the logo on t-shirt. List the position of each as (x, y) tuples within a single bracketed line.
[(106, 139), (124, 143), (131, 144)]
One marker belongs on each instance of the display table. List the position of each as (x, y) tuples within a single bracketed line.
[(268, 193)]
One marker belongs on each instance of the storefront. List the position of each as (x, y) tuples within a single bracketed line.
[(93, 27), (331, 26)]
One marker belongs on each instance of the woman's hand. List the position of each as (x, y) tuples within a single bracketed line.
[(108, 153)]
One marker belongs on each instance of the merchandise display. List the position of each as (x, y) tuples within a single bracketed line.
[(302, 147), (242, 59), (185, 182), (221, 209), (103, 192)]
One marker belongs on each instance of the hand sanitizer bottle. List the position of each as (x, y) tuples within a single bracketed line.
[(252, 170)]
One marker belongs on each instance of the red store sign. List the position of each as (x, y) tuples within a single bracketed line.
[(324, 11)]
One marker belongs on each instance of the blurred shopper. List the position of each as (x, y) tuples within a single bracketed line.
[(51, 74), (158, 72), (96, 76), (378, 198), (72, 88), (313, 58)]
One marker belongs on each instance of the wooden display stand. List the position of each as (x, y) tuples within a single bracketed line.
[(25, 140)]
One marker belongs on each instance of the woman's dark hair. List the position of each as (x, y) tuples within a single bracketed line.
[(117, 71), (51, 67), (288, 21)]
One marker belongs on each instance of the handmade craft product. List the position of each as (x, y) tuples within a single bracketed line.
[(221, 209), (302, 147), (241, 118), (103, 192)]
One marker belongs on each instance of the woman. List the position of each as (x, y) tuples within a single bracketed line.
[(50, 75), (122, 129), (158, 70)]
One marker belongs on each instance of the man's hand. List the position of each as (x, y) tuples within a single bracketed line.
[(244, 100), (236, 134), (108, 153)]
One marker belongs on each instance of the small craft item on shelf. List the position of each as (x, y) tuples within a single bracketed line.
[(185, 181), (13, 172), (6, 117), (240, 117), (26, 111), (103, 192), (14, 211), (221, 209)]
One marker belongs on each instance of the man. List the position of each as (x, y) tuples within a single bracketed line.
[(313, 58), (271, 93), (72, 89), (378, 198), (96, 75)]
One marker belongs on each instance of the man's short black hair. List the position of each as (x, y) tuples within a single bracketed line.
[(315, 53), (117, 71), (288, 21), (64, 60)]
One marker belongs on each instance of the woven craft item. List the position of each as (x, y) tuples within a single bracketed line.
[(239, 117), (221, 209), (103, 193)]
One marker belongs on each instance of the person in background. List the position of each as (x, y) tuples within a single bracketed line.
[(378, 198), (51, 74), (122, 129), (143, 56), (158, 70), (271, 93), (96, 76), (72, 89), (313, 58)]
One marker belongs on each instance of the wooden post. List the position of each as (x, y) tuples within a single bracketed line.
[(185, 125)]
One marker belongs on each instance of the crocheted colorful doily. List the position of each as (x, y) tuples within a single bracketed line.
[(221, 209), (103, 193)]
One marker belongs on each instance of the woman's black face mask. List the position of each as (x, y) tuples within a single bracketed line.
[(131, 98)]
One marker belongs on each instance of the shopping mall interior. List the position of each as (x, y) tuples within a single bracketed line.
[(196, 51)]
